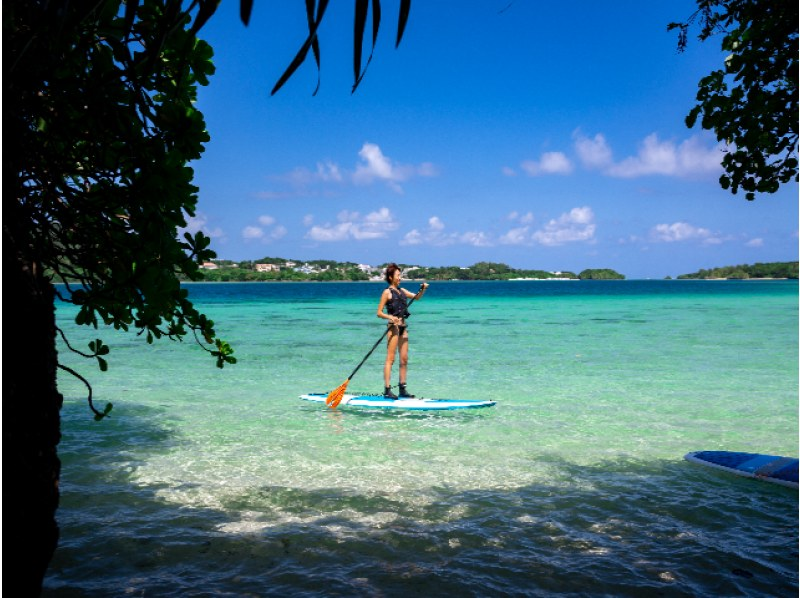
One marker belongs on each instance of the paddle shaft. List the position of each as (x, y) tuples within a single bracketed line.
[(375, 346)]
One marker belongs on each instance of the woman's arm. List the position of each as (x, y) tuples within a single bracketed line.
[(418, 295)]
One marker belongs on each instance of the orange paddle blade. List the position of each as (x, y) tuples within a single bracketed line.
[(336, 396)]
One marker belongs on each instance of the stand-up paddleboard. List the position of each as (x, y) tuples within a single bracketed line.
[(770, 468), (416, 404)]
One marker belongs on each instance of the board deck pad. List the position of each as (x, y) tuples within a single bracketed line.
[(769, 468), (411, 404)]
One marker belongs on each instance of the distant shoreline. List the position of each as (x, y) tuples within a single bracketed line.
[(406, 280)]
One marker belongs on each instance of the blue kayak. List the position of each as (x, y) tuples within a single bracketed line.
[(769, 468), (415, 404)]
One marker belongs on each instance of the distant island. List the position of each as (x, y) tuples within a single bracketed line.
[(280, 269), (745, 272)]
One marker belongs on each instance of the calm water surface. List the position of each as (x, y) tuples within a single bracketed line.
[(212, 482)]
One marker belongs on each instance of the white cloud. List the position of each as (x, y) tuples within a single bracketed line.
[(435, 234), (516, 236), (328, 233), (266, 220), (266, 231), (308, 220), (329, 171), (252, 232), (373, 165), (414, 237), (199, 223), (435, 223), (689, 158), (476, 239), (376, 166), (575, 225), (594, 152), (683, 231), (755, 243), (549, 163), (522, 218), (375, 225)]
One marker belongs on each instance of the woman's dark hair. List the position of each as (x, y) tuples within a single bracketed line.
[(390, 270)]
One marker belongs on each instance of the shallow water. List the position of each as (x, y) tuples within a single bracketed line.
[(221, 482)]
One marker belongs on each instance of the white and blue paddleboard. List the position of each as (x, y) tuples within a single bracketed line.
[(769, 468), (415, 404)]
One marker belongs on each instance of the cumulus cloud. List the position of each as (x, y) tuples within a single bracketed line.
[(266, 220), (353, 226), (575, 225), (371, 166), (689, 158), (476, 239), (435, 234), (526, 218), (432, 235), (199, 223), (516, 236), (252, 232), (758, 242), (375, 165), (683, 231), (267, 230), (692, 157), (593, 152), (549, 163), (435, 223)]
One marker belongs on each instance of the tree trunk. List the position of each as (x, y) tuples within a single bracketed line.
[(31, 423)]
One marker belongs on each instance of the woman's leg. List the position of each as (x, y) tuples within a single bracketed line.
[(391, 349), (403, 346)]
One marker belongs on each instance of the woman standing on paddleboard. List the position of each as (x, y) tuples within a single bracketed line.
[(394, 299)]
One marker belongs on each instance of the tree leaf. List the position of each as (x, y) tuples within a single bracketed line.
[(207, 10), (245, 8), (311, 17), (130, 15), (359, 24), (405, 8), (303, 52)]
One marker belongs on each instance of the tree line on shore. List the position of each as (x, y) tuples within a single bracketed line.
[(327, 270), (744, 272), (332, 271)]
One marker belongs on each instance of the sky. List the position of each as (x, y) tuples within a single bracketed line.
[(542, 135)]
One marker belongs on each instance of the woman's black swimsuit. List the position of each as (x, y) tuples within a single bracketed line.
[(398, 306)]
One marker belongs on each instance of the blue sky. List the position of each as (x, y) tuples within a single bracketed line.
[(542, 135)]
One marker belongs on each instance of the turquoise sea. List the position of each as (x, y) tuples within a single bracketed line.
[(208, 482)]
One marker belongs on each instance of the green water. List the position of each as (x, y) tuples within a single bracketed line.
[(221, 482)]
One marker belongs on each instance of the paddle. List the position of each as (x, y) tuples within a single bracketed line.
[(336, 396)]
